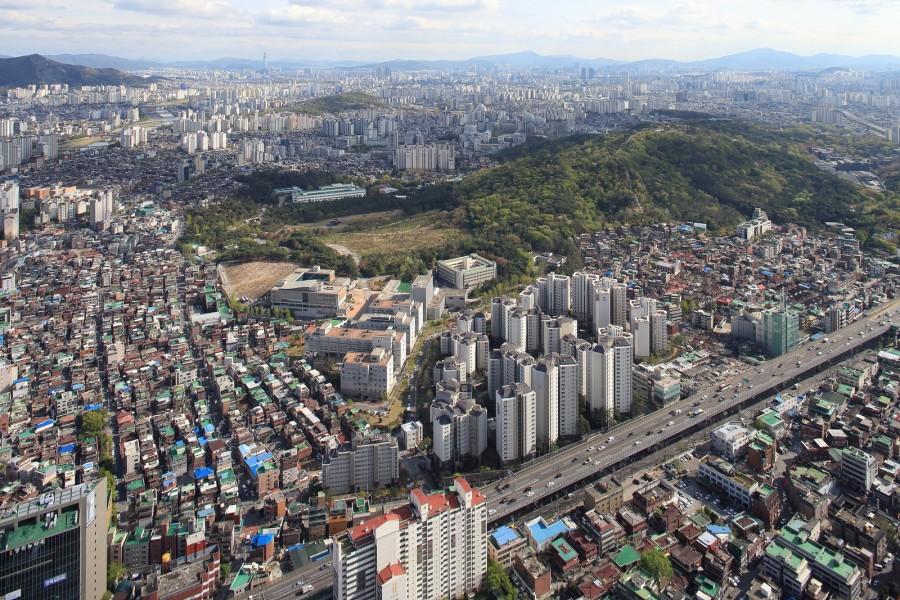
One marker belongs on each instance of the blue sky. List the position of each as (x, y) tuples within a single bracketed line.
[(386, 29)]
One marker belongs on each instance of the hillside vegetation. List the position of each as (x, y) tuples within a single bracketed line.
[(339, 103), (709, 171), (36, 69)]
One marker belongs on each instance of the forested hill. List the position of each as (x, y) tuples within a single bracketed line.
[(706, 171)]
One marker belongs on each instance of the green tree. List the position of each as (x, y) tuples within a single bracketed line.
[(115, 572), (497, 583), (657, 565), (225, 570)]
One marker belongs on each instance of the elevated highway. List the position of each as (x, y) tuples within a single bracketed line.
[(569, 466)]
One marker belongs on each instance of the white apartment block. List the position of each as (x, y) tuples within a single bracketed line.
[(601, 378), (367, 375), (568, 397), (466, 271), (516, 420), (545, 383), (368, 463), (459, 427), (553, 330), (432, 549), (730, 440), (554, 294)]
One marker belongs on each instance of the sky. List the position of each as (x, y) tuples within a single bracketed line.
[(374, 30)]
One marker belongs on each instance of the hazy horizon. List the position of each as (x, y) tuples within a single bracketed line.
[(379, 30)]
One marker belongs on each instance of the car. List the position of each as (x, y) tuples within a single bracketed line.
[(670, 423), (551, 483), (558, 475), (527, 489), (879, 566), (492, 511), (637, 442), (610, 438), (574, 459), (591, 449), (603, 447), (586, 461), (529, 494)]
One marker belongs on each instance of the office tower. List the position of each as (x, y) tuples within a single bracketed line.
[(583, 295), (459, 427), (780, 331), (568, 396), (545, 383), (516, 422), (554, 294), (54, 545), (433, 548), (601, 379)]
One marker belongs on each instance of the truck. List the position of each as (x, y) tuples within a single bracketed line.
[(305, 589), (695, 413)]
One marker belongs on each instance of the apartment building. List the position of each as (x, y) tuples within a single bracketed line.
[(858, 469), (367, 375), (730, 440), (367, 463), (516, 418), (842, 578), (433, 548), (459, 427)]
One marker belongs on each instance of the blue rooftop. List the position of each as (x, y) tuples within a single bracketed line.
[(262, 539), (504, 535), (718, 529), (203, 473), (542, 532)]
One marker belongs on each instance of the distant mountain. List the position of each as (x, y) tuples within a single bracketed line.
[(37, 69), (516, 61), (760, 59), (104, 61), (766, 59)]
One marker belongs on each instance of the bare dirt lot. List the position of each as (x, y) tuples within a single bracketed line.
[(252, 279)]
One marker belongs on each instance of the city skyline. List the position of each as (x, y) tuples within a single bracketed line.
[(379, 30)]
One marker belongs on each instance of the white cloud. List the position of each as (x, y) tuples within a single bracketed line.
[(176, 8), (297, 14)]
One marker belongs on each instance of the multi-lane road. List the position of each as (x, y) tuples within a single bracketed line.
[(547, 475)]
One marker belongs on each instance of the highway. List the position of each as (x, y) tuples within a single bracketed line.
[(570, 465)]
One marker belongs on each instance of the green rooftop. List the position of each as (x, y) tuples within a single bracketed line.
[(626, 556), (565, 550), (36, 531)]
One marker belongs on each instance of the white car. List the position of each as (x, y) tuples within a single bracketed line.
[(492, 511), (529, 493), (551, 483)]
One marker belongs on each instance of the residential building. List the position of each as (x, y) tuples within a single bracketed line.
[(367, 375), (516, 418), (730, 441), (858, 469), (459, 427), (367, 463), (433, 548)]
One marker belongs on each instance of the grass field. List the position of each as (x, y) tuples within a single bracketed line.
[(252, 279), (428, 230)]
